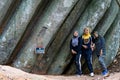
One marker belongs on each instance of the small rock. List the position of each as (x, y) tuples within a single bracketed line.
[(118, 70), (115, 61)]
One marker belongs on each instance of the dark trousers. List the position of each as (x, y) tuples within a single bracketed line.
[(88, 59), (77, 58)]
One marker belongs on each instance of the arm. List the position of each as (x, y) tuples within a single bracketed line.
[(93, 43), (71, 48), (80, 43), (102, 45)]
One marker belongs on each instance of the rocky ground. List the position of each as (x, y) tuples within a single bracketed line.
[(10, 73), (115, 66)]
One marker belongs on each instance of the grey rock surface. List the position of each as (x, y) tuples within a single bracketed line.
[(54, 16), (89, 19), (15, 28), (27, 24)]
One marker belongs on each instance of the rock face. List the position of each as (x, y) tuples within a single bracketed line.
[(64, 52), (15, 28), (108, 18), (66, 27), (105, 24), (111, 38), (50, 24), (84, 21), (51, 21), (114, 39)]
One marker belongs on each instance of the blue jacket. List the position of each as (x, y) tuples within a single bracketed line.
[(77, 48), (99, 44), (88, 50)]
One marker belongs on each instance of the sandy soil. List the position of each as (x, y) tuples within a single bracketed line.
[(9, 73)]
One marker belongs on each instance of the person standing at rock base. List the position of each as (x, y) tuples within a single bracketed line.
[(100, 52), (87, 49), (75, 48)]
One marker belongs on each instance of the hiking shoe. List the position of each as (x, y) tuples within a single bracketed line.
[(78, 75), (92, 74), (105, 73)]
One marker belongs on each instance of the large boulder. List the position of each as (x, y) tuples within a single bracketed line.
[(103, 27), (90, 18), (27, 24), (64, 31), (15, 28), (44, 32), (62, 34)]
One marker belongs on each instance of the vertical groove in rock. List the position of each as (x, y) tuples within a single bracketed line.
[(107, 19), (112, 40), (90, 18), (4, 6), (104, 25), (51, 20), (70, 22), (27, 24), (37, 15), (9, 10), (15, 28)]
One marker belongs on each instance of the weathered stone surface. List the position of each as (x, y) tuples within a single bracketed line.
[(4, 5), (105, 24), (66, 27), (93, 14), (15, 28), (52, 19), (9, 13), (112, 42), (108, 18), (90, 17), (53, 22)]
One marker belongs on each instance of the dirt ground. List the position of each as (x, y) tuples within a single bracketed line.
[(10, 73), (115, 66)]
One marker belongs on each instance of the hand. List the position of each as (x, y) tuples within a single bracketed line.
[(73, 52), (101, 52), (93, 47), (85, 46)]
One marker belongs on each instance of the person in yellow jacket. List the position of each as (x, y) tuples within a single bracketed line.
[(87, 49)]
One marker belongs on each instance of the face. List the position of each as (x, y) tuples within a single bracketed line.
[(95, 35), (86, 31), (75, 33)]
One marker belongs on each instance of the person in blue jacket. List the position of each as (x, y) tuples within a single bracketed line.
[(75, 48), (87, 49), (100, 52)]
